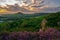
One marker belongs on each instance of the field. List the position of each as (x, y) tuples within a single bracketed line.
[(13, 25)]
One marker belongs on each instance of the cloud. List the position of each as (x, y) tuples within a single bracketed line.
[(28, 6), (15, 8)]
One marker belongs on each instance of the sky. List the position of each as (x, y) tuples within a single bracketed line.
[(29, 6)]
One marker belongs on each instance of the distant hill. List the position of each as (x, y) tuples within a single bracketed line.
[(20, 15)]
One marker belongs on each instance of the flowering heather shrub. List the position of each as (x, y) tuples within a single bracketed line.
[(48, 34), (52, 34)]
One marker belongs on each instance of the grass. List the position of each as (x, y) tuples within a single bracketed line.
[(25, 24)]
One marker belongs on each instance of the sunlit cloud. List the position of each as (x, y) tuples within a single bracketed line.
[(27, 5), (3, 10)]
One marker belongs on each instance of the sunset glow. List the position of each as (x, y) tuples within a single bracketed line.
[(30, 8), (3, 10), (30, 5)]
